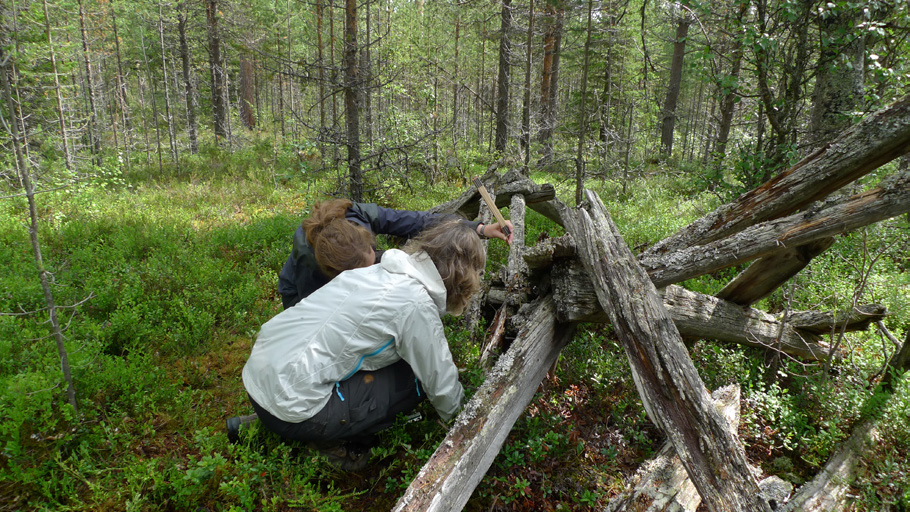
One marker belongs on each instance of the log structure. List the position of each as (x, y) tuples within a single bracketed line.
[(590, 275)]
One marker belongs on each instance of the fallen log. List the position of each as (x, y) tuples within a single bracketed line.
[(767, 274), (889, 199), (669, 385), (862, 148), (695, 315), (506, 185), (662, 484), (828, 491), (857, 319), (462, 459)]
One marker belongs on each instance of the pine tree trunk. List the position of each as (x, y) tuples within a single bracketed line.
[(94, 136), (172, 136), (121, 93), (219, 109), (502, 100), (154, 100), (190, 91), (352, 86), (247, 92), (583, 116), (68, 159), (526, 107), (668, 113), (728, 103)]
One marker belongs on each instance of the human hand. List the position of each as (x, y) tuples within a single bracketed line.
[(495, 231)]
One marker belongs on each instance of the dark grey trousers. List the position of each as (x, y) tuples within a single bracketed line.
[(371, 402)]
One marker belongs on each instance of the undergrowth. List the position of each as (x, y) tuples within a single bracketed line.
[(164, 277)]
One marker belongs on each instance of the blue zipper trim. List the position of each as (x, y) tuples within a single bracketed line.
[(417, 385), (359, 364)]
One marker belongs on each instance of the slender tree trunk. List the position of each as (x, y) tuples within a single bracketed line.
[(190, 91), (730, 90), (583, 116), (455, 85), (121, 94), (320, 65), (68, 159), (247, 92), (549, 81), (94, 136), (502, 100), (172, 136), (6, 68), (526, 107), (366, 71), (352, 100), (148, 72), (219, 109), (145, 128), (668, 113)]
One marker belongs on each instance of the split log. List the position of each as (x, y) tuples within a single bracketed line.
[(889, 199), (447, 480), (695, 315), (668, 383), (767, 274), (862, 148), (857, 319), (828, 491), (662, 484), (472, 312)]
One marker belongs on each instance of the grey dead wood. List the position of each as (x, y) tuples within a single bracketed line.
[(864, 147), (669, 385), (857, 319), (829, 490), (662, 484), (842, 215), (767, 274), (505, 185), (696, 315), (473, 311), (447, 480)]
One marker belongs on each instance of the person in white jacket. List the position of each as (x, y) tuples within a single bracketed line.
[(340, 365)]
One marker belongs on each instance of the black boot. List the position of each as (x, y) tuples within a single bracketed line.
[(234, 424)]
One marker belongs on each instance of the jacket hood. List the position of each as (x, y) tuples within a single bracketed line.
[(420, 267)]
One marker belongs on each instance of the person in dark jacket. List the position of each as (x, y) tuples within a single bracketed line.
[(340, 235)]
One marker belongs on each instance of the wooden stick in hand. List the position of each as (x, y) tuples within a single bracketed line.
[(491, 204)]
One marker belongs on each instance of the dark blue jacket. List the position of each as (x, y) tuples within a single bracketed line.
[(301, 275)]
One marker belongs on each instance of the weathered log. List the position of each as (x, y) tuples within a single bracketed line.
[(695, 315), (889, 199), (467, 203), (669, 385), (867, 145), (662, 484), (767, 274), (857, 319), (543, 254), (828, 491), (447, 480), (472, 312)]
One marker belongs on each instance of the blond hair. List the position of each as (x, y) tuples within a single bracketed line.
[(337, 243), (459, 257)]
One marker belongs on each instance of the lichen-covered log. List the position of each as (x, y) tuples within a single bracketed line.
[(668, 383), (829, 490), (889, 199), (695, 315), (447, 480), (864, 147), (767, 274)]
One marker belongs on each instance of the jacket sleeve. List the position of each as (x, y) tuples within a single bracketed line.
[(401, 223), (422, 343)]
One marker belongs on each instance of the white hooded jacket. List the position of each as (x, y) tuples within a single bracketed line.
[(364, 319)]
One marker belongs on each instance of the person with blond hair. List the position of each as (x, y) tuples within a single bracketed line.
[(340, 235), (342, 364)]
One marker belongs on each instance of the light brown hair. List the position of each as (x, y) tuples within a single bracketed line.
[(458, 254), (338, 244)]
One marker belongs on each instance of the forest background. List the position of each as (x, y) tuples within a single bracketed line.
[(157, 157)]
